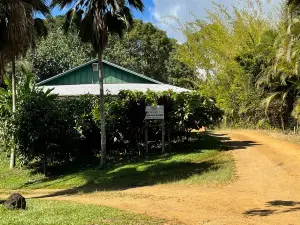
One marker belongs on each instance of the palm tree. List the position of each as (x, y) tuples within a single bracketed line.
[(279, 79), (293, 4), (95, 19), (18, 31)]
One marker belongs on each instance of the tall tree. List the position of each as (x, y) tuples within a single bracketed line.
[(221, 49), (141, 48), (293, 5), (19, 28), (57, 52), (95, 20), (136, 51)]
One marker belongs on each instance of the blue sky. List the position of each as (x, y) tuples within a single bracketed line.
[(159, 11), (143, 16)]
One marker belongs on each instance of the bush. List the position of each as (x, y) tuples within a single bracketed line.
[(57, 131)]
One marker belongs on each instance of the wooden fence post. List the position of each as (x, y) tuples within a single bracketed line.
[(163, 136), (146, 138)]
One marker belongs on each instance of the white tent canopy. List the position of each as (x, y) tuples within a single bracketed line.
[(113, 89)]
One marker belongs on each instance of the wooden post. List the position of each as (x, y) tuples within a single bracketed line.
[(169, 138), (13, 83), (146, 137), (163, 135)]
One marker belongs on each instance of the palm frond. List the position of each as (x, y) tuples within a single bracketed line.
[(95, 19), (296, 110), (138, 4), (114, 24), (40, 27), (86, 28), (19, 28), (39, 6), (73, 17), (267, 101), (61, 3)]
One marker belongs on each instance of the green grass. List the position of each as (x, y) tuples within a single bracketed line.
[(40, 212), (202, 162), (13, 179)]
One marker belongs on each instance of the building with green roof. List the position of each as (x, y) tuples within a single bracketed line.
[(84, 79)]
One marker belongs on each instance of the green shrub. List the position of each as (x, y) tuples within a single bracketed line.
[(59, 130)]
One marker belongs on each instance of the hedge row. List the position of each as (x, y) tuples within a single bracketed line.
[(57, 130)]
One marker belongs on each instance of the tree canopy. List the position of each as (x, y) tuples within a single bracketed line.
[(148, 50), (58, 52), (250, 62), (154, 57)]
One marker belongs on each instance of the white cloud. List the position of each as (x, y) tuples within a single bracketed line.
[(182, 9)]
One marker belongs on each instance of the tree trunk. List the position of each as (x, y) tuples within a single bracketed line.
[(282, 123), (13, 81), (45, 164), (102, 111)]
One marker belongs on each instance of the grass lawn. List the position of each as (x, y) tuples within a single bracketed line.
[(201, 162), (41, 212), (14, 179)]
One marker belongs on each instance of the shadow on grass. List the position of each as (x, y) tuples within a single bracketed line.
[(157, 173), (278, 207), (2, 202), (155, 170)]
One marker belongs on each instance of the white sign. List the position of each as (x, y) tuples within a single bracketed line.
[(155, 112), (95, 67)]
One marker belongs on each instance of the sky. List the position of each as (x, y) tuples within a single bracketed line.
[(159, 12)]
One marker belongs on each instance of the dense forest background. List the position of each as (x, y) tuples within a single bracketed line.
[(250, 63), (244, 58), (144, 49)]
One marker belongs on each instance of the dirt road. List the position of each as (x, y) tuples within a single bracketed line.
[(266, 189)]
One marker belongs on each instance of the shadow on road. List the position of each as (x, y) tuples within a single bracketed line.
[(278, 207), (229, 144)]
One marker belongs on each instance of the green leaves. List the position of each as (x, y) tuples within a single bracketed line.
[(148, 50), (19, 28), (58, 52), (138, 4), (67, 129), (250, 65), (95, 19)]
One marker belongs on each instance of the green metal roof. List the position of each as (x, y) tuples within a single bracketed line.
[(57, 80)]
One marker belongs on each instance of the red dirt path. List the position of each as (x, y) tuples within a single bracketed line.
[(266, 189)]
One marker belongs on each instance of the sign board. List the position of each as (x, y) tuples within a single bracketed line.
[(155, 112), (95, 67)]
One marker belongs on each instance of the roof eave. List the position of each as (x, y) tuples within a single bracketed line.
[(94, 61)]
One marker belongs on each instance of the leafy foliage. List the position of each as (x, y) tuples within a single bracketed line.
[(26, 87), (58, 131), (250, 64), (136, 51), (149, 51), (58, 52), (19, 28)]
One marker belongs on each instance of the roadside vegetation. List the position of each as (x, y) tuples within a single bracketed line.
[(287, 135), (250, 61), (60, 213)]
